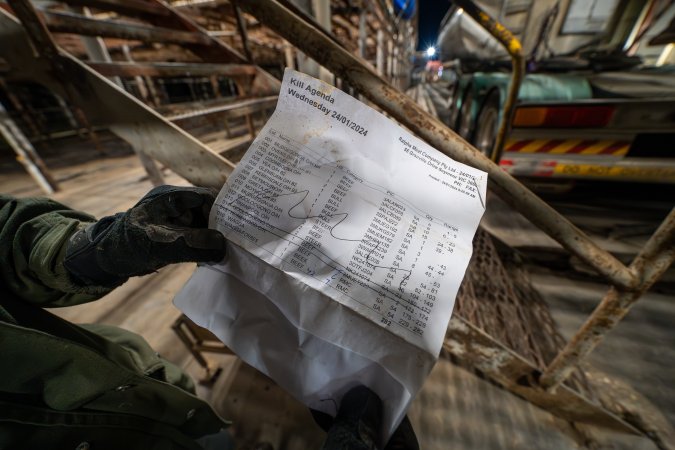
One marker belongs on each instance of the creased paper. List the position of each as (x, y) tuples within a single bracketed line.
[(348, 240)]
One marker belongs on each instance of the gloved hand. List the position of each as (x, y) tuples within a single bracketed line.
[(168, 225), (358, 422)]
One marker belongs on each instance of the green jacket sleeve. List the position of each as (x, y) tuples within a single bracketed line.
[(33, 237)]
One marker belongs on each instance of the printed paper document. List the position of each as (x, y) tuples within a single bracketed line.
[(349, 238)]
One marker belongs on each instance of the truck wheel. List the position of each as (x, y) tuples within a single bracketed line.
[(486, 124), (465, 120), (453, 108)]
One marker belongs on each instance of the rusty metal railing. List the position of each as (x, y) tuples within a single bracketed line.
[(512, 45), (628, 283), (648, 266)]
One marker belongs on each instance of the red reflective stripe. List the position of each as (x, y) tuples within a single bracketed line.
[(581, 146), (614, 147), (518, 145), (550, 145)]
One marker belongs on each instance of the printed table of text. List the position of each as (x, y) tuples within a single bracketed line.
[(363, 243)]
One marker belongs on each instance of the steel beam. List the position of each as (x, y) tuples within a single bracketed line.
[(350, 68)]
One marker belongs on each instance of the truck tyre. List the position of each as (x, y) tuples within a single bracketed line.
[(453, 107), (487, 124), (465, 120)]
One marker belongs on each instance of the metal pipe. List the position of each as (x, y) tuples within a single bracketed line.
[(654, 259), (515, 50), (350, 68)]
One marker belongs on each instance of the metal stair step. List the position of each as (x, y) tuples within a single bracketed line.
[(78, 24), (127, 7)]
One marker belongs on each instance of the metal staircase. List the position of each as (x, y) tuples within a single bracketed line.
[(183, 139)]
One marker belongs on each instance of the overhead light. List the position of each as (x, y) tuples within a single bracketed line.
[(431, 52)]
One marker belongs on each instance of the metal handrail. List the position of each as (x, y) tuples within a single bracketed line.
[(648, 266)]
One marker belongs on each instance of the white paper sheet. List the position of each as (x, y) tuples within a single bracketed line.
[(349, 238)]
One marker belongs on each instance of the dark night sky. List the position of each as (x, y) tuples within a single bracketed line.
[(431, 12)]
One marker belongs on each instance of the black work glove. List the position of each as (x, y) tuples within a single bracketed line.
[(358, 423), (168, 225)]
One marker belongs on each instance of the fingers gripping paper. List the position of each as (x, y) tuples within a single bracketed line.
[(348, 240)]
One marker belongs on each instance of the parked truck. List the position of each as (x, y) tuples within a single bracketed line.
[(598, 97)]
